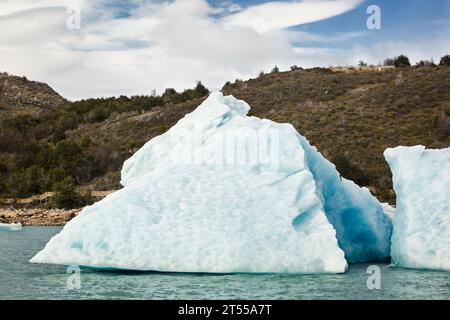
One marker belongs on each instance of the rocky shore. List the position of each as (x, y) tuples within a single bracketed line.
[(38, 217)]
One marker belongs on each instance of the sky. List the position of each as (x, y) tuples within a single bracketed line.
[(101, 48)]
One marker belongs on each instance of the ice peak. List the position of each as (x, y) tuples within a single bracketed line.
[(235, 106), (219, 106), (213, 113)]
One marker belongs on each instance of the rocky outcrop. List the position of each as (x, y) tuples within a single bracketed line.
[(38, 217), (18, 95)]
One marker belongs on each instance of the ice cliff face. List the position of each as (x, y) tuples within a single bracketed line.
[(421, 237), (363, 229), (224, 192)]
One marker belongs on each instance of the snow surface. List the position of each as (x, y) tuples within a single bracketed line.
[(11, 226), (421, 237), (224, 192)]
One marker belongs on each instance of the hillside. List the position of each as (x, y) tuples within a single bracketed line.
[(351, 117), (20, 96)]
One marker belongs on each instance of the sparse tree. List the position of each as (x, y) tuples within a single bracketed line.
[(362, 63), (66, 196), (275, 70), (445, 60), (201, 90), (425, 63), (401, 61), (389, 62), (169, 95)]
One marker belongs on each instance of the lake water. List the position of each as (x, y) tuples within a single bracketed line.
[(21, 280)]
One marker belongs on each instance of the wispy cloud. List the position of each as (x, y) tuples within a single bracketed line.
[(279, 15), (299, 37)]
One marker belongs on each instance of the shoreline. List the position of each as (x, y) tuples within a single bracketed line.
[(38, 216)]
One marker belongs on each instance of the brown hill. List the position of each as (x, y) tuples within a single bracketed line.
[(350, 116), (18, 95)]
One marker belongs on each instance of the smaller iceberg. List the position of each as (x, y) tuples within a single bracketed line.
[(421, 236), (10, 226)]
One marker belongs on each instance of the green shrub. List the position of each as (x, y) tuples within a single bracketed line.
[(425, 63), (66, 197), (445, 60), (401, 61), (200, 90), (389, 62), (362, 64)]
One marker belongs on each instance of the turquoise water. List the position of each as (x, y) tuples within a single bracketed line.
[(22, 280)]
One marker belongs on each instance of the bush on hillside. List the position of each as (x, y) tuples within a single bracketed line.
[(401, 61), (445, 60), (425, 63), (66, 196)]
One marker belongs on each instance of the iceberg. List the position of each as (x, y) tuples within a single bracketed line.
[(388, 210), (10, 226), (421, 236), (222, 192)]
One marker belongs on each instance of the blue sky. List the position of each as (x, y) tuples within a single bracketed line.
[(396, 13), (401, 19), (135, 46)]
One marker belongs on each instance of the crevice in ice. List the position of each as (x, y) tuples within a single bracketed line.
[(304, 221), (225, 118), (274, 183), (362, 228)]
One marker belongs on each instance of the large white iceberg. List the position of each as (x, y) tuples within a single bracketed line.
[(421, 237), (224, 192)]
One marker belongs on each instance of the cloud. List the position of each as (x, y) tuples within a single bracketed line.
[(158, 44), (169, 44), (279, 15), (415, 50), (226, 7), (297, 37), (9, 7), (196, 36), (372, 54), (29, 27)]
